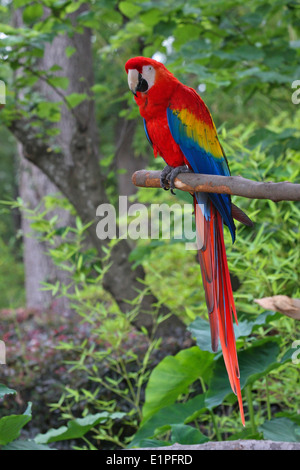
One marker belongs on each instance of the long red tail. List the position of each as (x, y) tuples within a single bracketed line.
[(218, 290)]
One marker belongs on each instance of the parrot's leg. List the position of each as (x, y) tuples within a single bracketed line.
[(164, 177), (175, 172), (169, 174)]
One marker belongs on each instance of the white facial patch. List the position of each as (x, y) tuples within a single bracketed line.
[(148, 73)]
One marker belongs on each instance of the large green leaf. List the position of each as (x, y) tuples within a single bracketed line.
[(75, 428), (10, 426), (281, 429), (4, 390), (258, 360), (145, 443), (255, 361), (172, 377), (166, 418), (187, 435), (200, 329), (129, 9), (201, 332)]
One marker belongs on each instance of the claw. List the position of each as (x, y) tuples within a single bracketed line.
[(165, 177), (175, 172), (169, 174)]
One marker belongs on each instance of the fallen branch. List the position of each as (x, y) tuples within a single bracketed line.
[(233, 185), (231, 445)]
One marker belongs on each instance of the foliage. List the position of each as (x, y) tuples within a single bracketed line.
[(108, 357), (245, 57), (223, 47), (251, 48), (77, 428), (11, 426), (170, 380), (185, 394)]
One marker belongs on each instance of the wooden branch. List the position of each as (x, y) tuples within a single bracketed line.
[(233, 185)]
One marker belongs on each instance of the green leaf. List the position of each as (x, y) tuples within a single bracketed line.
[(76, 428), (74, 99), (165, 418), (258, 360), (129, 9), (10, 426), (145, 443), (19, 3), (200, 330), (247, 52), (172, 377), (55, 68), (151, 17), (280, 429), (100, 88), (59, 82), (187, 435), (32, 13), (25, 445), (49, 111), (70, 51), (88, 19), (4, 390)]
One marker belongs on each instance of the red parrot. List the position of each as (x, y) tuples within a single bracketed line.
[(180, 129)]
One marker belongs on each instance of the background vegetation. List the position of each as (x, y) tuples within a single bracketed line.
[(91, 378)]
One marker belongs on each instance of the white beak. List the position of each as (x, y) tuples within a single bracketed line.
[(133, 79)]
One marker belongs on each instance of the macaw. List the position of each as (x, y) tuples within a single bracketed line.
[(180, 129)]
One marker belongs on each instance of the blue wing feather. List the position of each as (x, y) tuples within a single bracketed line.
[(146, 132), (203, 162)]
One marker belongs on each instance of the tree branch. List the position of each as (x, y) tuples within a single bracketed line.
[(233, 185)]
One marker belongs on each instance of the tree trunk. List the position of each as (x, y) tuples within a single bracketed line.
[(33, 186), (124, 157)]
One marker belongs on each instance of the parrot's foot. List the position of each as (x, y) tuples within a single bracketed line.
[(168, 175), (164, 177)]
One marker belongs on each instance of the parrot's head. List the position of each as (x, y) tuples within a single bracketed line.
[(146, 74)]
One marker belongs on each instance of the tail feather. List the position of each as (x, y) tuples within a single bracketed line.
[(218, 290), (207, 261), (239, 215)]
